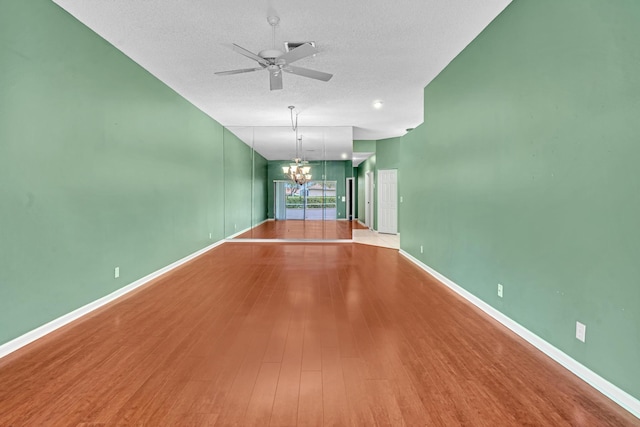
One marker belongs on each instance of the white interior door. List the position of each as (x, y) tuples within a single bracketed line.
[(388, 201)]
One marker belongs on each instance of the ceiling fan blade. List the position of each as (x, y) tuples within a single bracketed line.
[(275, 79), (300, 52), (248, 54), (244, 70), (305, 72)]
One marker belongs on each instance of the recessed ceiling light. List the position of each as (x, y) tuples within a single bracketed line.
[(344, 155), (377, 104)]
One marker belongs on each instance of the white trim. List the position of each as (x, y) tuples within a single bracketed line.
[(247, 229), (47, 328), (290, 241), (369, 199), (350, 187), (619, 396)]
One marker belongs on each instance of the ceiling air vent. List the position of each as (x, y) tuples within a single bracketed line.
[(292, 45)]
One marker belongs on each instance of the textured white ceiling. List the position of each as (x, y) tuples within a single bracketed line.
[(376, 49)]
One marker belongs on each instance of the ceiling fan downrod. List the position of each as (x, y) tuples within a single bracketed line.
[(273, 21)]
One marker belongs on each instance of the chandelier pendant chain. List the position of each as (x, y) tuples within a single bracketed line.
[(297, 172)]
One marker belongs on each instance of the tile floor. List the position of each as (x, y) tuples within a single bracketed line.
[(369, 237)]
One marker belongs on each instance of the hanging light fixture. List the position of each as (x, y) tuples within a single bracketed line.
[(299, 170)]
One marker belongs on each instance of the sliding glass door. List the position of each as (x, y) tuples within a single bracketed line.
[(320, 200), (315, 200)]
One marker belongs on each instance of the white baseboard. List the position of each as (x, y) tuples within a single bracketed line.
[(233, 236), (605, 387), (304, 241), (363, 224), (47, 328)]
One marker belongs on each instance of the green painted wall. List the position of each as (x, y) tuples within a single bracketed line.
[(245, 191), (337, 171), (414, 190), (331, 170), (525, 173), (388, 153), (364, 146), (101, 165)]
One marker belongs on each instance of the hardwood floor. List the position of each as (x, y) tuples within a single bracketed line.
[(305, 230), (293, 334)]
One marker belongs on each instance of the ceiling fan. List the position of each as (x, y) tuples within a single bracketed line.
[(275, 61)]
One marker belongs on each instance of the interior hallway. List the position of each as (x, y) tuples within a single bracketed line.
[(293, 334)]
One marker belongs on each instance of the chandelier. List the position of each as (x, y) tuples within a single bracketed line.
[(299, 170)]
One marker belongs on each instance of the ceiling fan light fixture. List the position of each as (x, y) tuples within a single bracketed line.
[(276, 61)]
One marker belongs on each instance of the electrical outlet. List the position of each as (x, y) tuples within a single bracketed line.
[(400, 199), (421, 249), (581, 331), (116, 272), (235, 226), (500, 289), (210, 236)]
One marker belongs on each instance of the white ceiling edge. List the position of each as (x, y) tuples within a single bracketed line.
[(360, 157), (377, 50)]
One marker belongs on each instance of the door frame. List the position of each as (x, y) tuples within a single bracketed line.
[(351, 200), (369, 185)]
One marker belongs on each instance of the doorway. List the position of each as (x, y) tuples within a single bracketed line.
[(351, 199)]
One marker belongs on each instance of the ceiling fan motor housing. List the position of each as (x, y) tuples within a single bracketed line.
[(270, 54)]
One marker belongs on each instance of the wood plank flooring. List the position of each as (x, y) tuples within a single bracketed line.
[(303, 230), (258, 334)]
